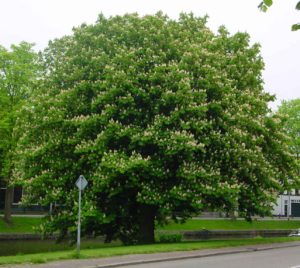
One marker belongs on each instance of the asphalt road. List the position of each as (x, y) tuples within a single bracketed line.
[(275, 258)]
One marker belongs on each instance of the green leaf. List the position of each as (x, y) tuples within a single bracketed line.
[(268, 2), (296, 27), (262, 7), (298, 6)]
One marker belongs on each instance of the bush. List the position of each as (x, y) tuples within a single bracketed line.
[(170, 238)]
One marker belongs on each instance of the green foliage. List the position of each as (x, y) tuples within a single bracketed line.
[(296, 27), (169, 238), (290, 111), (18, 73), (163, 117), (265, 4), (268, 2)]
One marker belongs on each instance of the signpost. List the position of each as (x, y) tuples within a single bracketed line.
[(81, 183)]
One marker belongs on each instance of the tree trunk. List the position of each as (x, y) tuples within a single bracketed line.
[(146, 224), (8, 204)]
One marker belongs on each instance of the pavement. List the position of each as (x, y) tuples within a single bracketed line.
[(134, 259)]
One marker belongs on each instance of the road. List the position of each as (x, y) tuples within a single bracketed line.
[(275, 258)]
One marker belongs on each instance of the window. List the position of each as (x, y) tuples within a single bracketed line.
[(17, 194)]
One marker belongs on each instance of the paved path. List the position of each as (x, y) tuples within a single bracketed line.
[(158, 257)]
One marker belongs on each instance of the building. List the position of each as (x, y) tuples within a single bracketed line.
[(16, 203), (288, 204), (17, 195)]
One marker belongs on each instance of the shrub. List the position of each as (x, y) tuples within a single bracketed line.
[(170, 238)]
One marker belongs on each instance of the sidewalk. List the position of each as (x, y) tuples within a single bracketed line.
[(120, 261)]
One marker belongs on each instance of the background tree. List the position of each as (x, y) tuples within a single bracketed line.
[(290, 110), (265, 4), (18, 73), (163, 117)]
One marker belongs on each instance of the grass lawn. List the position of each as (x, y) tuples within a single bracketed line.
[(26, 225), (20, 225), (195, 224), (124, 250)]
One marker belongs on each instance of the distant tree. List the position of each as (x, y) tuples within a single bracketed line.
[(163, 117), (265, 4), (290, 110), (17, 75)]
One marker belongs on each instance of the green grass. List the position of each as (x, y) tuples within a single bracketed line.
[(26, 225), (20, 225), (195, 224), (97, 249), (125, 250)]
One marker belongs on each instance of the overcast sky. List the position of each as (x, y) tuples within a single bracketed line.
[(39, 21)]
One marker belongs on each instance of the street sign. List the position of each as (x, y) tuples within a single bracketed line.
[(81, 183)]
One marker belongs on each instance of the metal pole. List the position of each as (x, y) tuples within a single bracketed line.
[(78, 227), (289, 207)]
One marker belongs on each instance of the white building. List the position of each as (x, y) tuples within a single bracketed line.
[(288, 204)]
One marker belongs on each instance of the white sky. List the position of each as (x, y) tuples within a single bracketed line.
[(39, 21)]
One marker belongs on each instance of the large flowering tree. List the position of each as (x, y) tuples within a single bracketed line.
[(163, 117)]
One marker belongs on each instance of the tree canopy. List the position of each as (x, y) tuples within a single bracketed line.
[(290, 110), (163, 117), (18, 74)]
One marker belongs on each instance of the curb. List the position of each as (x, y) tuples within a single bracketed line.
[(199, 255)]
